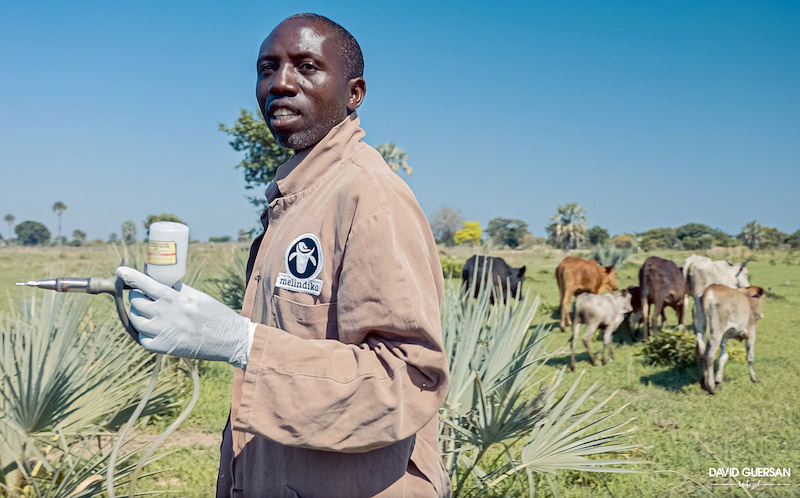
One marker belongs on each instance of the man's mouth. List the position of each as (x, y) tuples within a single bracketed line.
[(280, 117)]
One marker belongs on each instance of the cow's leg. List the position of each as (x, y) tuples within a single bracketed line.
[(565, 299), (699, 326), (711, 353), (658, 309), (750, 344), (680, 309), (573, 340), (591, 328), (645, 317), (608, 344), (723, 359)]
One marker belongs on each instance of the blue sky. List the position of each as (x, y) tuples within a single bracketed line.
[(646, 113)]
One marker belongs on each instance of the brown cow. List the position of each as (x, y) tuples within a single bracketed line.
[(661, 283), (576, 276)]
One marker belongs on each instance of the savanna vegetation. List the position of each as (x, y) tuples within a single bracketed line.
[(680, 431)]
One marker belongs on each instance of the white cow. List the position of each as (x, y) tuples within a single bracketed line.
[(700, 272), (730, 313), (604, 311)]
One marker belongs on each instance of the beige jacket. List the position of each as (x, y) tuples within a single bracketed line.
[(347, 369)]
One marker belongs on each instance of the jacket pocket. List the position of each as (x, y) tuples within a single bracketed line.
[(307, 321)]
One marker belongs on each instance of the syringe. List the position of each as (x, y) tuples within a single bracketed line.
[(91, 285)]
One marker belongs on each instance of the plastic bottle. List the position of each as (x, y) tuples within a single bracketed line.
[(166, 252)]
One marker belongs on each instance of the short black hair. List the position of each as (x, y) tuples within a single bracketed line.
[(348, 46)]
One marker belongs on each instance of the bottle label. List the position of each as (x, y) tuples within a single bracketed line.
[(161, 252)]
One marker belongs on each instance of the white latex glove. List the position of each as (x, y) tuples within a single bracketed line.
[(186, 322)]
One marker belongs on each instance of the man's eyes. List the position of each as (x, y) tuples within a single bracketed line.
[(270, 67)]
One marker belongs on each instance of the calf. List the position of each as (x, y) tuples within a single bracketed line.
[(506, 280), (576, 276), (599, 311), (729, 313), (700, 272), (661, 284)]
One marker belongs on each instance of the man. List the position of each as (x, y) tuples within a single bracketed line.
[(341, 363)]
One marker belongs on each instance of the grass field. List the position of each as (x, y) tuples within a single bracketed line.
[(682, 430)]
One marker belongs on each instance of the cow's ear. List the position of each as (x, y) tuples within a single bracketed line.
[(757, 291), (521, 272), (609, 269)]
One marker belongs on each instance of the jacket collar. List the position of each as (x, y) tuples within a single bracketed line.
[(316, 163)]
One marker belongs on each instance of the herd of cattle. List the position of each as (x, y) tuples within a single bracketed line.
[(726, 306)]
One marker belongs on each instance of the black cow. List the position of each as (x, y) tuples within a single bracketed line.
[(507, 280)]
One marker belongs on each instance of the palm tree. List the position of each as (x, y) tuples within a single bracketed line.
[(58, 208), (394, 157), (568, 227), (10, 220), (752, 234)]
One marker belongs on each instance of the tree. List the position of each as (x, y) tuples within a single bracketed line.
[(659, 238), (262, 155), (220, 238), (244, 235), (128, 230), (152, 218), (506, 231), (446, 222), (794, 240), (470, 235), (394, 157), (772, 237), (59, 208), (705, 241), (10, 220), (568, 227), (113, 238), (597, 235), (752, 234), (32, 233), (698, 231), (78, 238), (623, 241)]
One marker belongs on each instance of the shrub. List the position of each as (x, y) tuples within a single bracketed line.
[(623, 241), (451, 267), (470, 235), (671, 349), (608, 255)]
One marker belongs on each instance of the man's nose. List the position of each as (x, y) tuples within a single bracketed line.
[(283, 82)]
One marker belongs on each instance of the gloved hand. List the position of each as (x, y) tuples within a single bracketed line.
[(186, 322)]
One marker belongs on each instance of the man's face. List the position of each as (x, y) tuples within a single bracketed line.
[(302, 87)]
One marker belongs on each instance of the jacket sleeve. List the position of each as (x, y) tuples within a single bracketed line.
[(386, 376)]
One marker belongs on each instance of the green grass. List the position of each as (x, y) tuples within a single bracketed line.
[(744, 425)]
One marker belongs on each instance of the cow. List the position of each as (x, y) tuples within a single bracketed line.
[(661, 284), (634, 317), (576, 276), (606, 312), (729, 313), (700, 272), (507, 280)]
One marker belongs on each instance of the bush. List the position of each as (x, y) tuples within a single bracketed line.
[(623, 241), (608, 255), (451, 267), (671, 349)]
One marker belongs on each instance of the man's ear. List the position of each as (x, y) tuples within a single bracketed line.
[(358, 88)]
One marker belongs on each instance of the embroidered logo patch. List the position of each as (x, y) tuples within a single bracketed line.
[(303, 262)]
